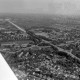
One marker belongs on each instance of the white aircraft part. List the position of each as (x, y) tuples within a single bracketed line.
[(5, 71)]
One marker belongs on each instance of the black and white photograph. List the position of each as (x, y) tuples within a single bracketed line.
[(39, 39)]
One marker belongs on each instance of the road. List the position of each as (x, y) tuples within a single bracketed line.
[(18, 27), (65, 51), (60, 49), (47, 40)]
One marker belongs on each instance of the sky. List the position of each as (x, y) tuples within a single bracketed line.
[(60, 7)]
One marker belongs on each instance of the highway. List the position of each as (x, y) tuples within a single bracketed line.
[(18, 27)]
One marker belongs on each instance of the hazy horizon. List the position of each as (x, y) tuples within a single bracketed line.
[(52, 7)]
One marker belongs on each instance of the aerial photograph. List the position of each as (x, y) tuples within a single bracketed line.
[(40, 39)]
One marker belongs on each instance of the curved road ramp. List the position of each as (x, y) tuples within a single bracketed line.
[(5, 71)]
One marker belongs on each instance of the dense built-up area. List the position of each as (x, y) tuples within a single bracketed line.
[(41, 53)]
